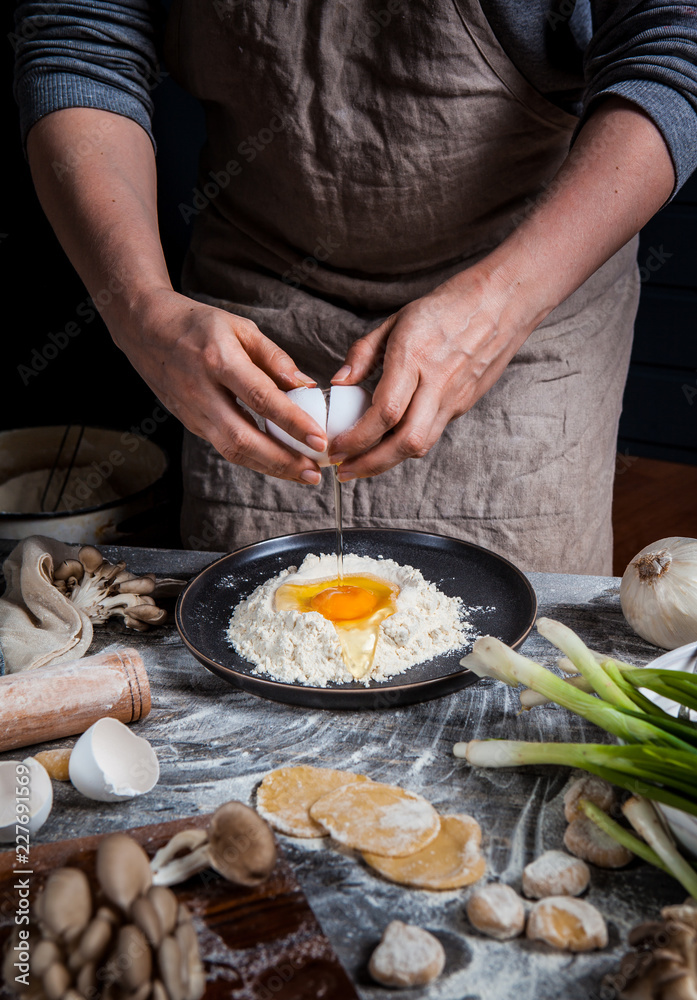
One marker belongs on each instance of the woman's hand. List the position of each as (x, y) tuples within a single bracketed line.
[(197, 359), (439, 354)]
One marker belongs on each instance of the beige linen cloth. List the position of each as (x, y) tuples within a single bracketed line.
[(38, 624)]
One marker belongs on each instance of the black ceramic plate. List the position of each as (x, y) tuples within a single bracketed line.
[(481, 578)]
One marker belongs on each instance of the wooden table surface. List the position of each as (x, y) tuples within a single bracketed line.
[(215, 743)]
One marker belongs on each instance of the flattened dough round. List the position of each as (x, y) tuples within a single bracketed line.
[(286, 794), (382, 819), (451, 860)]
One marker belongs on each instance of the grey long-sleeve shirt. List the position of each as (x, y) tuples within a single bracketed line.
[(89, 53)]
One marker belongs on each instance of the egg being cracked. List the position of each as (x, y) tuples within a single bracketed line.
[(347, 404)]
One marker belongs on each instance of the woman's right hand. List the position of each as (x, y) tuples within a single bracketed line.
[(198, 360)]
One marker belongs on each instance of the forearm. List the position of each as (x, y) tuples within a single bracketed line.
[(617, 175), (94, 173)]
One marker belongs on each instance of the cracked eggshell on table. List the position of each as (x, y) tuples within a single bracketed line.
[(347, 404), (40, 797), (110, 763)]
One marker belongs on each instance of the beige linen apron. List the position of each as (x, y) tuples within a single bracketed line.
[(358, 155)]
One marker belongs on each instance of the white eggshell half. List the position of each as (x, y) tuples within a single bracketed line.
[(347, 403), (40, 798), (109, 762)]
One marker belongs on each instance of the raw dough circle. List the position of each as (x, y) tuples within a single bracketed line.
[(567, 923), (496, 910), (451, 860), (382, 819), (555, 873), (285, 795), (406, 956)]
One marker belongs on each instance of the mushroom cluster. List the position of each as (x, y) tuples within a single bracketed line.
[(134, 942), (102, 589), (663, 965)]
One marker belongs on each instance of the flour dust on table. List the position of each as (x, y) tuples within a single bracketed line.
[(304, 626)]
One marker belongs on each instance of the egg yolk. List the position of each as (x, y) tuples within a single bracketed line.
[(341, 604), (356, 605)]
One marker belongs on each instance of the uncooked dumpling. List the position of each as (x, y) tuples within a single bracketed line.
[(497, 911), (567, 923), (406, 956), (555, 873)]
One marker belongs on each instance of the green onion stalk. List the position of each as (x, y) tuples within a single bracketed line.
[(585, 662), (492, 658), (641, 816), (666, 775)]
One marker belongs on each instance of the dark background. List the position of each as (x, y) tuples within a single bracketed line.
[(42, 294)]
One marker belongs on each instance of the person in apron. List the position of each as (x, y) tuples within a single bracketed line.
[(380, 188), (385, 162)]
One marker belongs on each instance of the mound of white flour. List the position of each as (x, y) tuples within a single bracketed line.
[(303, 647)]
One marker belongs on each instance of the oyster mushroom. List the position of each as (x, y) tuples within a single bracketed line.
[(69, 569), (94, 943), (102, 590), (90, 557), (64, 906), (133, 958), (55, 981), (166, 905), (169, 960), (43, 955), (142, 946), (147, 919), (239, 846), (665, 965), (192, 972), (123, 870)]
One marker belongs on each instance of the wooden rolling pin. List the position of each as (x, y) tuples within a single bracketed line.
[(65, 699)]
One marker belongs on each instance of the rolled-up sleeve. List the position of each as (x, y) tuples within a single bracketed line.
[(647, 53), (85, 54)]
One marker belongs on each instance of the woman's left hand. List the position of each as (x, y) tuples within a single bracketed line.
[(439, 355)]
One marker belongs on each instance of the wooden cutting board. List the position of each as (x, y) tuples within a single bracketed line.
[(257, 944)]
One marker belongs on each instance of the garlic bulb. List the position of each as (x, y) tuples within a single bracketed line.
[(658, 592)]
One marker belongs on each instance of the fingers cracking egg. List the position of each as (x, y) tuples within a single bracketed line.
[(356, 605), (347, 404)]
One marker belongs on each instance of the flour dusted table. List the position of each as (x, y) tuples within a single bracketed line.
[(215, 743)]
